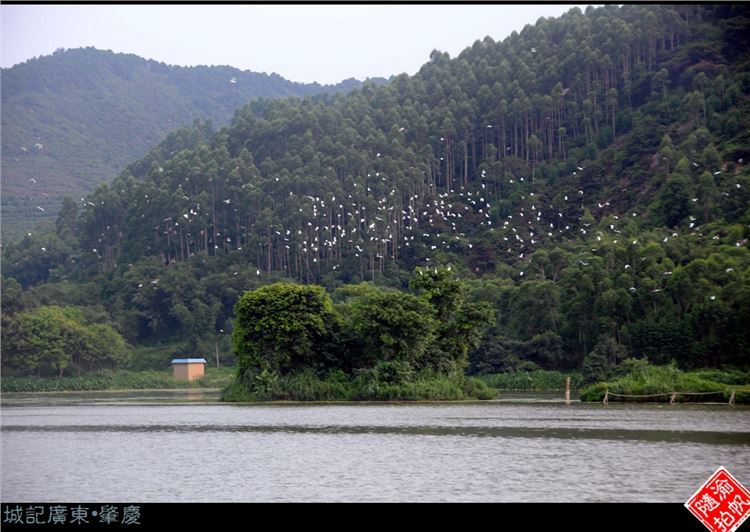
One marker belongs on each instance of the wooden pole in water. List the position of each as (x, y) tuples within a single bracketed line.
[(606, 397), (731, 399), (567, 390), (673, 399)]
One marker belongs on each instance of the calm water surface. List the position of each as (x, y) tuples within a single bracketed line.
[(185, 446)]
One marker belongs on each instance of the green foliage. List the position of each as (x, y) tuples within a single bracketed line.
[(282, 327), (723, 376), (457, 336), (35, 257), (388, 325), (540, 380), (575, 197), (595, 367), (459, 324), (641, 378), (51, 340), (14, 299), (498, 353), (440, 289), (67, 219), (365, 386), (120, 380), (291, 343), (598, 364), (95, 111), (675, 200), (155, 357), (393, 371)]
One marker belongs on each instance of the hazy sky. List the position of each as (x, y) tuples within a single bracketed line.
[(302, 43)]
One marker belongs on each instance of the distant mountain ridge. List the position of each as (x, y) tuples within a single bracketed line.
[(77, 117)]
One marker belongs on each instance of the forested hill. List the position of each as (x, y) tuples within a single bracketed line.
[(75, 118), (587, 177)]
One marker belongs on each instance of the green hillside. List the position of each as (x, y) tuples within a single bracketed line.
[(75, 118), (585, 177)]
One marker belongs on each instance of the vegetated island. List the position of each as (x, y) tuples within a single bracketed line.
[(636, 380), (293, 343)]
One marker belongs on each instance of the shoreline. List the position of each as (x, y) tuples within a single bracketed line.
[(112, 390)]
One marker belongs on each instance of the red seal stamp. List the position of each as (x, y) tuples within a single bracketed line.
[(722, 503)]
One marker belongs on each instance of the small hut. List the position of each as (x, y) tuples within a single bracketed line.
[(188, 369)]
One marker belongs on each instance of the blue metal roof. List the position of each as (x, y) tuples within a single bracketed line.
[(188, 360)]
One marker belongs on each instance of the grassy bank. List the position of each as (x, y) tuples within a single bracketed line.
[(155, 356), (362, 387), (537, 380), (649, 380), (119, 380)]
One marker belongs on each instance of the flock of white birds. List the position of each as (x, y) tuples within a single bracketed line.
[(432, 221)]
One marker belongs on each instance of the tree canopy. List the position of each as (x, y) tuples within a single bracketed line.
[(282, 329), (585, 178), (78, 117)]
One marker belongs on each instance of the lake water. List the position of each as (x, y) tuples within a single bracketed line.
[(185, 446)]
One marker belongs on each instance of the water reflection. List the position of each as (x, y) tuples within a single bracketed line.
[(114, 397), (166, 446), (717, 438)]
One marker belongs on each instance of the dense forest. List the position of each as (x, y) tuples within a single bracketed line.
[(585, 178), (76, 118), (367, 342)]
